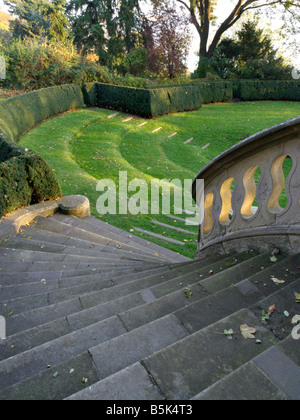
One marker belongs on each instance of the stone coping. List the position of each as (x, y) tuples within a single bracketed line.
[(75, 205)]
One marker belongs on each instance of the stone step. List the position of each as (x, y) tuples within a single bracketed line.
[(55, 383), (232, 263), (15, 278), (79, 233), (132, 383), (24, 255), (183, 296), (136, 345), (144, 340), (53, 238), (140, 241), (33, 361), (188, 364), (115, 288), (242, 295), (147, 341), (58, 320), (276, 371), (45, 266), (191, 365), (43, 246)]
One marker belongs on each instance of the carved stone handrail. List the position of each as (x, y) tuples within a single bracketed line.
[(231, 222)]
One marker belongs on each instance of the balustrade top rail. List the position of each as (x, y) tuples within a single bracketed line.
[(243, 190)]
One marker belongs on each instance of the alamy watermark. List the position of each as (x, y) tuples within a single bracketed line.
[(2, 68), (156, 197), (2, 328), (296, 73), (296, 329)]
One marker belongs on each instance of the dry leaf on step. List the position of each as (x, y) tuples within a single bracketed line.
[(247, 331)]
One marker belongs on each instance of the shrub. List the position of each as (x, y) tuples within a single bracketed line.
[(25, 178), (215, 91), (32, 64), (149, 103), (22, 112), (258, 90)]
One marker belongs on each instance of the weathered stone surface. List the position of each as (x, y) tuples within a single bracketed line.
[(75, 205)]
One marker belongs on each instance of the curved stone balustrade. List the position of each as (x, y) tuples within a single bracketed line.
[(243, 187)]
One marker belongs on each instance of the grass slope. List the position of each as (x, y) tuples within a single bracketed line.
[(85, 146)]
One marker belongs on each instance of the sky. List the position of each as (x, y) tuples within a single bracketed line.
[(222, 11)]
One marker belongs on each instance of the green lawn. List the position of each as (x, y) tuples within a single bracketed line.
[(85, 146)]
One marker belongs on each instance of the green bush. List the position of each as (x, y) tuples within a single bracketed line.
[(125, 99), (271, 90), (20, 113), (210, 91), (25, 178), (215, 91), (150, 102), (89, 91), (180, 98), (32, 64)]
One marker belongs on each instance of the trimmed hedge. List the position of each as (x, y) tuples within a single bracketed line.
[(25, 178), (271, 90), (148, 103), (22, 112), (246, 90), (215, 91), (89, 91)]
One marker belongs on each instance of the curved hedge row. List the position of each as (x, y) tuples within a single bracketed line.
[(25, 178), (160, 100)]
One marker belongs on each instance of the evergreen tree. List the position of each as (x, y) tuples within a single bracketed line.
[(39, 18), (109, 28), (250, 54)]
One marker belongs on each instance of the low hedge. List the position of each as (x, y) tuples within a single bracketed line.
[(22, 112), (25, 178), (246, 90), (89, 91), (271, 90), (150, 102), (215, 91)]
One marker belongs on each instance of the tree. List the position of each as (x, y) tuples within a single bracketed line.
[(109, 28), (250, 54), (202, 17), (168, 39), (39, 18)]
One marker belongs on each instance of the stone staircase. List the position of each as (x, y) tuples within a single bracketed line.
[(93, 312)]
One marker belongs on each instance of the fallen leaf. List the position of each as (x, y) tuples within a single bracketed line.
[(273, 258), (247, 332), (271, 309), (277, 281)]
